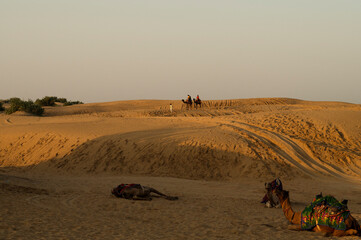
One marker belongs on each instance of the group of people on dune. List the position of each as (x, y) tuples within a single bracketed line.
[(189, 102), (324, 214)]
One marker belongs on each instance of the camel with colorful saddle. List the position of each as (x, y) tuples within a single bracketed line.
[(324, 214)]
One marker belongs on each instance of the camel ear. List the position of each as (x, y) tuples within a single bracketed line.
[(344, 202), (278, 181)]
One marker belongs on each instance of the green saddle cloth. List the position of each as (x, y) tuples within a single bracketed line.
[(325, 211)]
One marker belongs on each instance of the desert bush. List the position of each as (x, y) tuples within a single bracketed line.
[(46, 101), (1, 107), (30, 107), (16, 104), (72, 103), (50, 101), (61, 100), (15, 101)]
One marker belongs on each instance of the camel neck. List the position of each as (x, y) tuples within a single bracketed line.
[(288, 211)]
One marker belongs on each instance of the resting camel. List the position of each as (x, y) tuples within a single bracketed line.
[(350, 223), (197, 102), (138, 192), (188, 103)]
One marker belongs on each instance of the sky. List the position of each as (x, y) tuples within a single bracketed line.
[(110, 50)]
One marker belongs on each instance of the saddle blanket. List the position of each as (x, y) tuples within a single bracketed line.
[(118, 191), (325, 211)]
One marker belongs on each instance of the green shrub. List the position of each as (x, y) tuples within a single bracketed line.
[(46, 101), (15, 101), (61, 100), (50, 101), (1, 107), (31, 107), (16, 104), (72, 103)]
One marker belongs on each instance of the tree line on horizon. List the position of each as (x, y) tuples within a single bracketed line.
[(35, 108)]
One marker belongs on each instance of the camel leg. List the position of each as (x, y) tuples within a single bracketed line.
[(163, 195), (325, 231), (340, 233), (142, 198), (351, 232)]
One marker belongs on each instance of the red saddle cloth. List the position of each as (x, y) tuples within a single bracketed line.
[(119, 190)]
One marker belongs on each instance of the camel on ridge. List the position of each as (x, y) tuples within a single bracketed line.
[(352, 226), (197, 102), (138, 192), (188, 103)]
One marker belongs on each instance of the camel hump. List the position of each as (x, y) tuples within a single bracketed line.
[(325, 211)]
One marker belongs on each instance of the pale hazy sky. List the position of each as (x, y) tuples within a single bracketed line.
[(108, 50)]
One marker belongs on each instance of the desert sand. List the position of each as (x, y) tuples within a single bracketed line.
[(57, 171)]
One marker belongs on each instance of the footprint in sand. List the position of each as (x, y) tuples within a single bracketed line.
[(8, 121)]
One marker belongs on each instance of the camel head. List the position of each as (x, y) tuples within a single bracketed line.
[(273, 185), (282, 195)]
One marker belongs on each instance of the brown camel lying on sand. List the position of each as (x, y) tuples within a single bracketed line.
[(350, 224), (138, 192)]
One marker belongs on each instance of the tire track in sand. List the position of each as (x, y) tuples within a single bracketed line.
[(289, 149)]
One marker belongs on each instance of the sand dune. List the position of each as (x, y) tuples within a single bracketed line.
[(305, 139), (225, 150)]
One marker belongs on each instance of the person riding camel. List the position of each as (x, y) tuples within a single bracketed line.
[(189, 99), (197, 102)]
